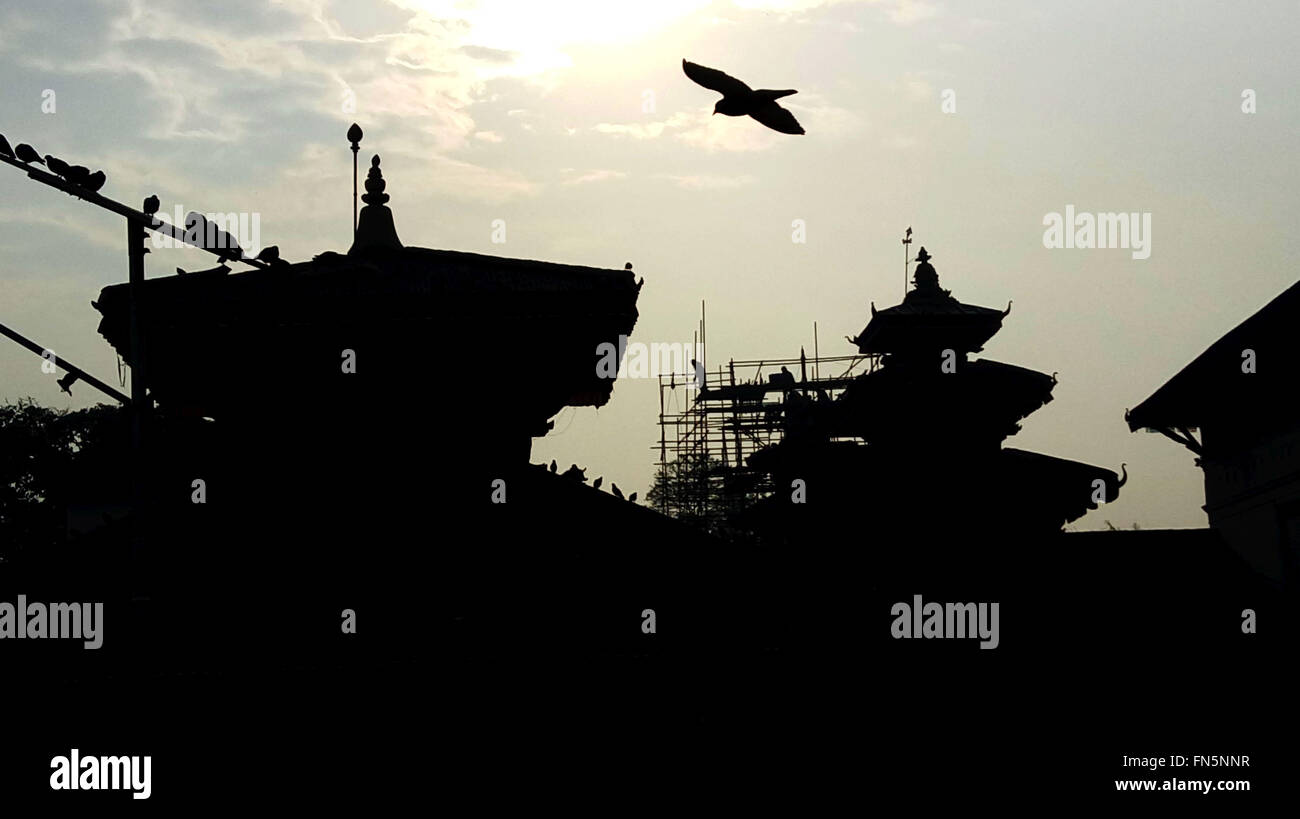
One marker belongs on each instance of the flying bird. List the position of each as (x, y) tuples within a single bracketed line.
[(5, 148), (28, 154), (151, 205), (618, 493), (56, 165), (95, 181), (740, 100)]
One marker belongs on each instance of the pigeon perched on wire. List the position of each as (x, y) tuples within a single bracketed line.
[(618, 493), (5, 148), (596, 483), (739, 100), (78, 175), (632, 497), (56, 165), (95, 181), (200, 231), (151, 205), (65, 383), (27, 154), (270, 253)]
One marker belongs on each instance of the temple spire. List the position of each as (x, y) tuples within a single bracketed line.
[(925, 278), (375, 227)]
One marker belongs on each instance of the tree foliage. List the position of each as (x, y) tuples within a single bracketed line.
[(46, 457)]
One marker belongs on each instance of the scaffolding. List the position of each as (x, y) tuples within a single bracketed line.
[(710, 425)]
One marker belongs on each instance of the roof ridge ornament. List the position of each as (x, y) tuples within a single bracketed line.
[(924, 277), (375, 227), (375, 184)]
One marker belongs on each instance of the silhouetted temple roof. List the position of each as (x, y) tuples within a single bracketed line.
[(1043, 482), (517, 330), (1010, 485), (1214, 386), (992, 396), (929, 318)]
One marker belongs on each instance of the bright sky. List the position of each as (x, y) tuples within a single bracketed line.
[(536, 113)]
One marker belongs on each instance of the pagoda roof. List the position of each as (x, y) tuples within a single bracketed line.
[(992, 395), (1015, 486), (1061, 484), (1213, 386), (414, 303), (929, 318)]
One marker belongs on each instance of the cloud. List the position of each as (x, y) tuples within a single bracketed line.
[(901, 12), (595, 176), (700, 129), (708, 181), (95, 231), (634, 130), (918, 89), (645, 130), (907, 12)]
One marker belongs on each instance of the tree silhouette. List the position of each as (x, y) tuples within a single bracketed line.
[(44, 454)]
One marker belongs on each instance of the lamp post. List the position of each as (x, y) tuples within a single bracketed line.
[(354, 136)]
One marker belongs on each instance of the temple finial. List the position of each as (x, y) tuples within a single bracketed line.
[(375, 184), (375, 227), (924, 277)]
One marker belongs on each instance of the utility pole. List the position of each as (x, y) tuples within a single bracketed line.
[(907, 240), (135, 250), (354, 136)]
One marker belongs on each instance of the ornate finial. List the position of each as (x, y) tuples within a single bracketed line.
[(924, 276), (375, 184), (375, 226), (354, 136)]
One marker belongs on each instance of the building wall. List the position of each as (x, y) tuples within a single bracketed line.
[(1253, 498)]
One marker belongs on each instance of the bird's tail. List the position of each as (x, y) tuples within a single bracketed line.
[(769, 94)]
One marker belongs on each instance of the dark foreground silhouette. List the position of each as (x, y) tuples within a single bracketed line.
[(499, 606)]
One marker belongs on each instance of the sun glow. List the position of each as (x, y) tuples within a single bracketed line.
[(537, 33)]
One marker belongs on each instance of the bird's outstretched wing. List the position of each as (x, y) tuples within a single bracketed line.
[(715, 80), (777, 118)]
